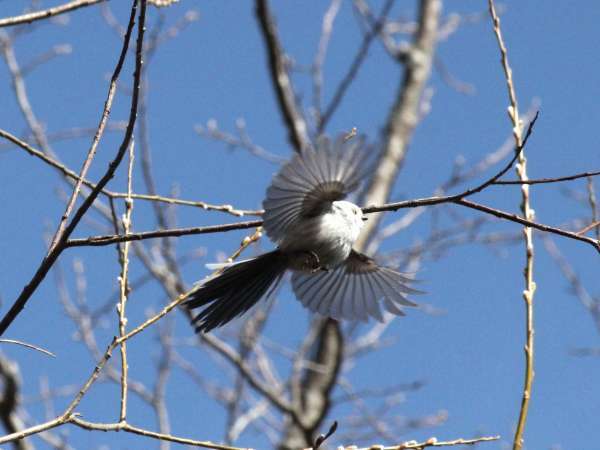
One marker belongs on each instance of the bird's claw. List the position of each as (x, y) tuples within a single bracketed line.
[(314, 263), (310, 261)]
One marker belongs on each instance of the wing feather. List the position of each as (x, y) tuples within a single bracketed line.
[(327, 295), (308, 184), (359, 309), (334, 306), (375, 295), (356, 290)]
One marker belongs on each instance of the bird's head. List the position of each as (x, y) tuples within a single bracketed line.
[(351, 214)]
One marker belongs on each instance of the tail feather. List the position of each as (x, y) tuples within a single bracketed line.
[(235, 291)]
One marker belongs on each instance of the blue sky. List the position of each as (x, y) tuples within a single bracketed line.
[(471, 356)]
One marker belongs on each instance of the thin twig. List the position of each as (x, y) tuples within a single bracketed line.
[(62, 226), (80, 315), (112, 239), (529, 291), (124, 285), (229, 209), (317, 65), (20, 90), (147, 433), (25, 344), (550, 180), (577, 287), (163, 369), (32, 430), (57, 50), (70, 417), (35, 126), (357, 62), (433, 442), (593, 206), (47, 159), (242, 140), (46, 13), (174, 232), (53, 255), (153, 198), (587, 228), (69, 133)]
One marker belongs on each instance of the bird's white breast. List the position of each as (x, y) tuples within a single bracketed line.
[(330, 236)]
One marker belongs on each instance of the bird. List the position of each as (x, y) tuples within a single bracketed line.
[(314, 227)]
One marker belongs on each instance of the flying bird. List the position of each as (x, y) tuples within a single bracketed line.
[(314, 229)]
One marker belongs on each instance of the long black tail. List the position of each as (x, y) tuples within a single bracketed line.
[(236, 290)]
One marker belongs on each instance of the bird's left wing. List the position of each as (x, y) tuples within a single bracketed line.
[(308, 183), (355, 290)]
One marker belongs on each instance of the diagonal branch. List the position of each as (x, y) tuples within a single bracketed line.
[(549, 180), (356, 64), (528, 223), (71, 174), (429, 201), (46, 13), (286, 97), (60, 232), (98, 241), (57, 249)]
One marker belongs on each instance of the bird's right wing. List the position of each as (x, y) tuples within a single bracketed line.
[(308, 183), (355, 290)]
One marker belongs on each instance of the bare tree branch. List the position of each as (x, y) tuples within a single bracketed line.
[(67, 172), (404, 115), (27, 345), (433, 442), (354, 66), (46, 13), (282, 84), (550, 180), (529, 291), (113, 239), (9, 401), (53, 255)]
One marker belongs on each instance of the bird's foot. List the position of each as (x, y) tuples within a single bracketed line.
[(308, 261)]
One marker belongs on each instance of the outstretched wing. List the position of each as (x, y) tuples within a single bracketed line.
[(308, 184), (355, 290)]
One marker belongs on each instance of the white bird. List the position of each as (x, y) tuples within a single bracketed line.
[(314, 230)]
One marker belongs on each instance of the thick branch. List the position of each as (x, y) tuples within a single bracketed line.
[(53, 255), (315, 389), (286, 97), (404, 115)]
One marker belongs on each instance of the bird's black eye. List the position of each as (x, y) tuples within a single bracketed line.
[(355, 212)]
